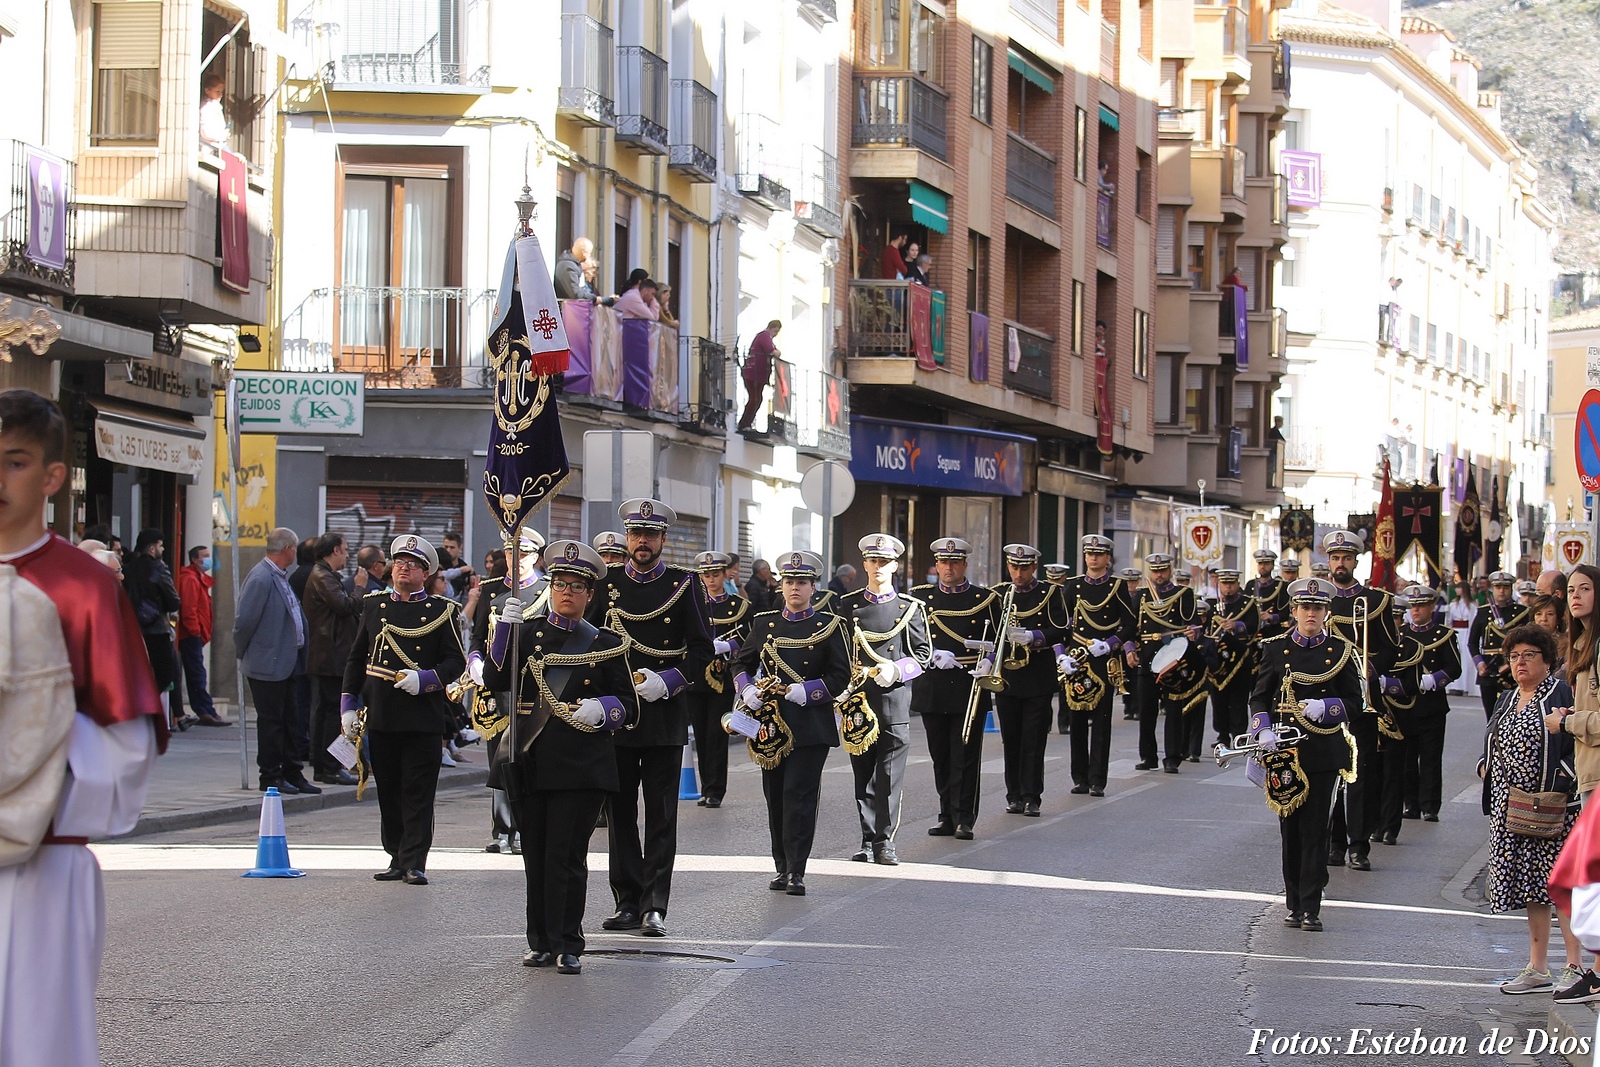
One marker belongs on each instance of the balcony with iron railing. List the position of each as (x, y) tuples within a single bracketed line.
[(397, 337), (888, 319), (588, 71), (764, 173), (817, 200), (38, 232), (900, 110), (703, 372), (694, 129), (1105, 220), (1030, 176), (1029, 360), (418, 45), (822, 414), (642, 99)]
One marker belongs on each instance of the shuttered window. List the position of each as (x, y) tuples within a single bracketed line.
[(566, 519), (1169, 83), (685, 540), (1167, 240), (127, 75), (1249, 264)]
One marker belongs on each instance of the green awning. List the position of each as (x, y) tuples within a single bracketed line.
[(1031, 72), (930, 207), (1108, 117)]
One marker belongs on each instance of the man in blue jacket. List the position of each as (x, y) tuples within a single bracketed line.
[(269, 630)]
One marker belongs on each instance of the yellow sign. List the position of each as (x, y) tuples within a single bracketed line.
[(258, 476)]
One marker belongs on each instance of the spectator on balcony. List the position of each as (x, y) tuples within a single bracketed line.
[(919, 268), (758, 371), (1106, 185), (569, 280), (891, 264), (664, 307), (213, 122), (639, 302)]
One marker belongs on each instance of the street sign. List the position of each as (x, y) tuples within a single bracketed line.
[(1591, 367), (293, 402), (828, 488), (1586, 440)]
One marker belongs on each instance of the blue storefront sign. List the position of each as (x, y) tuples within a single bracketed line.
[(937, 457)]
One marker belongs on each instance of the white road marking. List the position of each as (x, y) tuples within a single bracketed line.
[(1306, 959), (1472, 794), (1480, 986)]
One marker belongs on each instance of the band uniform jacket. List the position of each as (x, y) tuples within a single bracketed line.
[(663, 613), (1234, 629), (1098, 611), (729, 617), (1488, 635), (824, 600), (492, 595), (1333, 660), (421, 634), (564, 756), (971, 612), (1383, 633), (1272, 605), (894, 629), (1039, 609), (1434, 651), (813, 651)]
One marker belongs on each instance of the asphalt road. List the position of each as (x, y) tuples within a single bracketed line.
[(1144, 927)]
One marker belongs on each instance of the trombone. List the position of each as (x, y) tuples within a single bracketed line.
[(1360, 616)]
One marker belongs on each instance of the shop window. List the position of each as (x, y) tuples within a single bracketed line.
[(127, 73)]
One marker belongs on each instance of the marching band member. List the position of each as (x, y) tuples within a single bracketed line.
[(1413, 764), (613, 548), (958, 612), (1165, 610), (1132, 579), (408, 646), (1495, 619), (1308, 679), (1102, 620), (1235, 627), (1377, 643), (711, 696), (803, 654), (1037, 622), (1270, 594), (888, 632), (661, 612), (574, 694), (1319, 570), (1056, 574)]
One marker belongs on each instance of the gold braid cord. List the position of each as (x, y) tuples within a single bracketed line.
[(1293, 678), (717, 670), (386, 639), (936, 617), (563, 711)]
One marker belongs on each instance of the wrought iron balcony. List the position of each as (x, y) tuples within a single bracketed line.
[(1389, 325), (398, 338), (763, 174), (1105, 221), (822, 414), (1030, 176), (642, 99), (901, 110), (704, 375), (694, 129), (38, 234), (885, 320), (416, 44), (817, 203), (1029, 361), (588, 72)]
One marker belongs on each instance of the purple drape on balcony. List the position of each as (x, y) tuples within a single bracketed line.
[(577, 315), (1241, 328), (978, 364), (637, 338)]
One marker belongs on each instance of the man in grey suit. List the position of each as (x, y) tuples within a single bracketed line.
[(269, 630)]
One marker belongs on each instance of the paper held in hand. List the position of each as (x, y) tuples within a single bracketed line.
[(343, 751), (744, 725)]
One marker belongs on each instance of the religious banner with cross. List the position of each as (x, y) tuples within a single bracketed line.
[(1419, 527), (1469, 532), (233, 223), (1382, 541)]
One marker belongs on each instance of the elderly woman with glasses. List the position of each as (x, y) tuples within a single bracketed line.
[(1520, 754)]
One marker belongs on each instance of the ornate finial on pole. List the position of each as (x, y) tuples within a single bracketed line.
[(1201, 482), (527, 210)]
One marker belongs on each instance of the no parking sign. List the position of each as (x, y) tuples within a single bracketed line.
[(1586, 441)]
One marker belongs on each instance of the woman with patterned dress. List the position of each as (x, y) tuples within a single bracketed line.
[(1520, 752)]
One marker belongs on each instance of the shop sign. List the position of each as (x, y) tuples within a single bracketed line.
[(145, 446), (301, 403), (937, 457), (162, 381)]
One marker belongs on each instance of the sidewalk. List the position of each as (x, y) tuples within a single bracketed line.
[(196, 783)]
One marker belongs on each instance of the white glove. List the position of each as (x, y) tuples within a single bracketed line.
[(589, 712), (349, 721), (1428, 683), (721, 647), (943, 660), (1098, 647), (1316, 709), (652, 688), (795, 694), (1019, 636), (886, 674), (1066, 663), (979, 646), (1268, 740), (984, 667), (408, 680), (751, 697), (511, 611), (475, 670)]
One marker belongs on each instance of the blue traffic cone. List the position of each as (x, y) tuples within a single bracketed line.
[(688, 785), (272, 846), (991, 725)]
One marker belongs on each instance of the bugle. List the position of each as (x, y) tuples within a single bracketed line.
[(1245, 745), (976, 694)]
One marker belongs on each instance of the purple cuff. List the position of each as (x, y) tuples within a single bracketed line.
[(909, 668), (741, 681), (1270, 617), (734, 641), (616, 714), (674, 679), (1391, 686), (1115, 642), (1060, 650), (1239, 627), (817, 692), (500, 643), (1441, 677), (349, 702), (1478, 660), (430, 681), (1038, 638), (1336, 711), (1261, 720)]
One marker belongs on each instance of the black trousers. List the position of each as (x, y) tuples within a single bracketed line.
[(274, 749), (1413, 770), (957, 766), (880, 774), (502, 819), (300, 723), (1024, 731), (641, 868), (792, 789), (1153, 700), (1147, 702), (1303, 836), (1091, 742), (325, 691), (1230, 709), (1063, 714), (1194, 730), (1429, 738), (406, 765), (1489, 690), (1130, 699), (1398, 758), (1357, 812), (710, 740), (555, 857)]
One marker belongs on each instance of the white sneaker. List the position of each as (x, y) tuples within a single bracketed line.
[(467, 736), (444, 758), (1527, 980)]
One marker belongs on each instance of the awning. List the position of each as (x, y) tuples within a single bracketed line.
[(1031, 72), (1109, 118), (81, 338), (930, 207), (155, 442)]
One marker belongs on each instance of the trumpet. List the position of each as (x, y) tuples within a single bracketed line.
[(1245, 745)]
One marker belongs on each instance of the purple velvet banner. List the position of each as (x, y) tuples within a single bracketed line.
[(978, 358), (577, 314), (637, 337), (1241, 328)]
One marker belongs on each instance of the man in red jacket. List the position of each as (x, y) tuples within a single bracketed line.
[(194, 631)]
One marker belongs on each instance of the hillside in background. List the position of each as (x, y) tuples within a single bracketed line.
[(1541, 54)]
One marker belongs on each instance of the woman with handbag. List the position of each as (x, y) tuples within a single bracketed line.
[(1530, 795)]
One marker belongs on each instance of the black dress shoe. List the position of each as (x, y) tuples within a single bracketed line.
[(1097, 790), (1194, 759), (885, 855), (415, 878), (797, 885), (1411, 813), (713, 802), (1359, 862), (622, 919), (1014, 808), (1031, 811), (1080, 789), (339, 778), (941, 829), (1311, 924), (1430, 816), (1145, 765), (964, 831), (1170, 768), (285, 789), (863, 855), (1336, 858), (653, 925), (701, 802), (393, 874), (779, 883), (531, 958), (1293, 919), (301, 786), (567, 963)]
